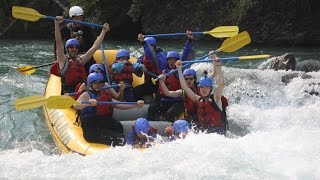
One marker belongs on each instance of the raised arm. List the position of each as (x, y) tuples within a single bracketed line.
[(59, 43), (219, 89), (96, 45), (184, 86)]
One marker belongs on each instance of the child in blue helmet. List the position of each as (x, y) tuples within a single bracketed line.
[(178, 130), (99, 68), (97, 120), (142, 134), (210, 107), (123, 71)]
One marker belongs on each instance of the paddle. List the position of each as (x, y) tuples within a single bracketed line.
[(218, 32), (31, 69), (105, 87), (241, 58), (53, 102), (105, 63), (30, 14), (229, 45)]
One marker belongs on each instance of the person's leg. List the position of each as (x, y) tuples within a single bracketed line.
[(145, 89), (174, 111)]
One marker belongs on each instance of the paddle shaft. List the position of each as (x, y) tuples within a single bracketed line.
[(105, 63), (35, 67), (106, 87), (184, 66), (173, 34), (107, 102), (78, 22), (252, 57)]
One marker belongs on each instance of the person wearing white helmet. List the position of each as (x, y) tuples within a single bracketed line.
[(84, 34)]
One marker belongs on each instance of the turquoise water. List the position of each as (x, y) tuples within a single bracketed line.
[(275, 127)]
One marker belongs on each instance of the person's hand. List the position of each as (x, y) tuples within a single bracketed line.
[(179, 65), (140, 37), (106, 27), (190, 35), (169, 130), (216, 62), (93, 102), (212, 54), (140, 103), (122, 86), (162, 76), (59, 19)]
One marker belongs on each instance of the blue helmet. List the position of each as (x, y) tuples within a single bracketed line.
[(189, 72), (94, 77), (141, 126), (181, 126), (205, 82), (96, 67), (173, 54), (150, 40), (122, 53), (72, 42)]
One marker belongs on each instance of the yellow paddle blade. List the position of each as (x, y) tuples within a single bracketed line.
[(223, 31), (29, 102), (252, 57), (24, 13), (236, 42), (60, 102), (26, 69)]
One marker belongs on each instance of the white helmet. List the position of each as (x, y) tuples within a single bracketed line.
[(75, 11)]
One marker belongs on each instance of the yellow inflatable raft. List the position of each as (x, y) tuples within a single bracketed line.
[(67, 132)]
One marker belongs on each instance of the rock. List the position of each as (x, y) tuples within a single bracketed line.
[(308, 66), (284, 62), (287, 78)]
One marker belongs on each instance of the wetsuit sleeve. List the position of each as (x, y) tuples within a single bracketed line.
[(188, 51), (147, 51), (162, 60), (117, 67)]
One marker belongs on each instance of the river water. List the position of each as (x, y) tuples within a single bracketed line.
[(274, 127)]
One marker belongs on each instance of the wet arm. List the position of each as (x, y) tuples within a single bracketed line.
[(59, 44), (184, 86), (96, 45)]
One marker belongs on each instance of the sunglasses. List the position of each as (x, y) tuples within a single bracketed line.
[(73, 47), (189, 79), (98, 82)]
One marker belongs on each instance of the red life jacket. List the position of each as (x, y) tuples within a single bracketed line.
[(73, 75), (189, 105), (125, 75), (210, 114), (55, 69), (172, 84), (150, 66), (100, 109)]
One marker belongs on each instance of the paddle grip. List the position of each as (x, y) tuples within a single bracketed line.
[(79, 22)]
